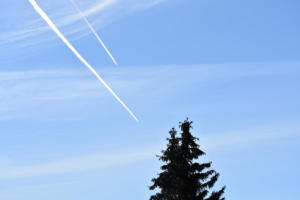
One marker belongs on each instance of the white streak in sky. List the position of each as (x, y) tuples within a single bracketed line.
[(62, 37), (94, 32)]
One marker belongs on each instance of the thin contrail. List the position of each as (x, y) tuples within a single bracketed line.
[(62, 37), (94, 32)]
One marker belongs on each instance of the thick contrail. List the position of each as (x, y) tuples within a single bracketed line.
[(94, 32), (62, 37)]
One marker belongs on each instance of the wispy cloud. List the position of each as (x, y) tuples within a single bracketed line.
[(251, 135), (78, 164), (155, 3), (94, 32), (29, 29), (23, 93)]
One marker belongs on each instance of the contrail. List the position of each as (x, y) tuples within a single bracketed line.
[(62, 37), (94, 32)]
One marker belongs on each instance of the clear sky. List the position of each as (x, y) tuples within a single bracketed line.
[(233, 67)]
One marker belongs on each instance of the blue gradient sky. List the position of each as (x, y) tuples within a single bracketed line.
[(232, 66)]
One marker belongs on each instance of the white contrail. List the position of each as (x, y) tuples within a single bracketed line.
[(62, 37), (94, 32)]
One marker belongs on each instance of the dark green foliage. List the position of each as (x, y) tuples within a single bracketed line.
[(182, 178)]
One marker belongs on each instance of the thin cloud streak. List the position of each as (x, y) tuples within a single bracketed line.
[(93, 10), (94, 32), (29, 31), (155, 3), (24, 91), (78, 164), (62, 37), (247, 136)]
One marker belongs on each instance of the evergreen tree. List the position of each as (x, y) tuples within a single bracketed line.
[(182, 178)]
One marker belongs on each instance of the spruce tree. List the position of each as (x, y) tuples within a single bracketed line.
[(182, 177)]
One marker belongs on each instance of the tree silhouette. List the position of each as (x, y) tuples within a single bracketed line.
[(182, 178)]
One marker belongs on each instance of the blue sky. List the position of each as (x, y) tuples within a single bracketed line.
[(233, 67)]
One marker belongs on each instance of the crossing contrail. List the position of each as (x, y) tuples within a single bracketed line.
[(94, 32), (62, 37)]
